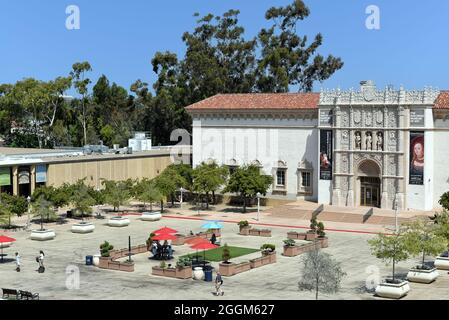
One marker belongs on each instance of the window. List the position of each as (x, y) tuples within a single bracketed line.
[(232, 169), (305, 179), (280, 178), (305, 176)]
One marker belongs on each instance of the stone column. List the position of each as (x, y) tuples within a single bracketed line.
[(401, 158), (350, 198), (336, 193), (32, 178), (15, 182), (384, 197)]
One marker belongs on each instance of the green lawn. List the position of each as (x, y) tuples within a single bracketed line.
[(216, 254)]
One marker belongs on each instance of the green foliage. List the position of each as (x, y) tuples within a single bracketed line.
[(389, 249), (183, 262), (444, 201), (441, 221), (320, 230), (163, 265), (247, 182), (146, 191), (149, 241), (313, 224), (43, 209), (289, 243), (226, 255), (105, 249), (59, 197), (5, 213), (268, 247), (18, 205), (116, 193), (81, 199), (421, 239), (243, 224), (208, 177)]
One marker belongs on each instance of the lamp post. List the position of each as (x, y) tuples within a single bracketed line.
[(28, 219), (258, 195), (181, 201), (396, 216)]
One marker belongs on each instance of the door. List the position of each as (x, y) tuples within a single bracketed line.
[(370, 192)]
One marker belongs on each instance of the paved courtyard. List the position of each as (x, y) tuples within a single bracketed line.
[(276, 281)]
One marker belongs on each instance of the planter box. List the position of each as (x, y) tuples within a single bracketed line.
[(254, 232), (310, 236), (184, 273), (104, 262), (5, 245), (151, 216), (42, 235), (265, 233), (442, 263), (156, 271), (324, 242), (296, 235), (392, 290), (300, 249), (264, 260), (231, 269), (422, 276), (127, 267), (119, 222), (245, 231), (83, 227)]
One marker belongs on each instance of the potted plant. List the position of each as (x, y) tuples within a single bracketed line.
[(267, 249), (441, 221), (312, 233), (184, 268), (82, 202), (226, 267), (324, 241), (44, 210), (390, 249), (421, 240), (244, 227), (105, 249), (289, 248)]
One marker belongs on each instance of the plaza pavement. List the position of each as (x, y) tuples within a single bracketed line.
[(277, 281)]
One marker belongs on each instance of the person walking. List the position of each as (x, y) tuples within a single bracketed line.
[(40, 260), (218, 284), (17, 262)]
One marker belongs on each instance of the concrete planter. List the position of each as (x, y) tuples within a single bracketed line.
[(151, 216), (245, 231), (96, 260), (198, 273), (422, 276), (103, 262), (119, 222), (296, 235), (230, 269), (393, 290), (42, 235), (83, 227), (442, 263), (264, 260), (324, 242), (5, 245)]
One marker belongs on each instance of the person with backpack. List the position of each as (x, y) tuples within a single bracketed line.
[(40, 260), (218, 284)]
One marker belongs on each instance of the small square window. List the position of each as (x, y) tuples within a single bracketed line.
[(280, 174)]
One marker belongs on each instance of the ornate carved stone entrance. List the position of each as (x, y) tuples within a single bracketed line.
[(369, 184)]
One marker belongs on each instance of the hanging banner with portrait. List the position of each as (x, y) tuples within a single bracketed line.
[(416, 158), (325, 154)]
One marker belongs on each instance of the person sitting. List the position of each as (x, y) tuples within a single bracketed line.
[(191, 233), (213, 239), (170, 252)]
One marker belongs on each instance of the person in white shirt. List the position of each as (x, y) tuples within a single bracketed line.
[(17, 262)]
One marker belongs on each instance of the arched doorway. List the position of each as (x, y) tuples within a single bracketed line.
[(369, 181)]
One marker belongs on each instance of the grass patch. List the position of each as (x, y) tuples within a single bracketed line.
[(216, 254)]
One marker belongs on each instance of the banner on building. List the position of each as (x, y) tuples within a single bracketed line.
[(417, 158), (41, 173), (5, 176), (326, 154), (24, 176)]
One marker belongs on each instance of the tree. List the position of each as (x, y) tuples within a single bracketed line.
[(247, 182), (59, 197), (441, 221), (17, 204), (116, 193), (168, 182), (81, 84), (147, 191), (81, 199), (421, 239), (5, 213), (444, 201), (208, 178), (320, 272), (390, 249), (43, 209)]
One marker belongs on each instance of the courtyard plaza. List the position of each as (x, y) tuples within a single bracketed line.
[(348, 245)]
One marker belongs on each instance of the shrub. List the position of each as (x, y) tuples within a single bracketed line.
[(313, 224), (149, 242), (226, 255), (320, 230), (105, 248), (268, 248), (163, 265), (243, 224), (289, 242), (184, 262)]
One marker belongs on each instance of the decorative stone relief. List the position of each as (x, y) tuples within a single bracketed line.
[(392, 166), (368, 141), (358, 140), (345, 119), (345, 138), (368, 119), (357, 117), (379, 117), (379, 141), (344, 163), (392, 121)]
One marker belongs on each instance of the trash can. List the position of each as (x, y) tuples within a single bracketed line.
[(208, 274), (89, 260)]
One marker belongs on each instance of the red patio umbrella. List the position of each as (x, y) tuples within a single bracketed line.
[(204, 245), (164, 236), (165, 230), (5, 239)]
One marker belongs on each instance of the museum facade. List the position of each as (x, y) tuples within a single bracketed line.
[(368, 147)]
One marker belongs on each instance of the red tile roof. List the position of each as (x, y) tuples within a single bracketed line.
[(259, 101), (442, 102)]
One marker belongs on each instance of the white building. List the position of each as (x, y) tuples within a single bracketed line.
[(347, 148)]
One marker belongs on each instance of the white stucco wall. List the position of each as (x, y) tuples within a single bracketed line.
[(265, 140), (441, 160)]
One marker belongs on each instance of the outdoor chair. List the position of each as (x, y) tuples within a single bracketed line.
[(26, 295)]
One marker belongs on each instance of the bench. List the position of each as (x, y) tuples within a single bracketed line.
[(10, 292), (25, 295)]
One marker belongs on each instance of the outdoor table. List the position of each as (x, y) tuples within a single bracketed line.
[(2, 255)]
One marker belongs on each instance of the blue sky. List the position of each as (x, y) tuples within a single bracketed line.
[(119, 38)]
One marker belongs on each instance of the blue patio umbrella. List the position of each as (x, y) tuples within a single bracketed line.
[(212, 225)]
